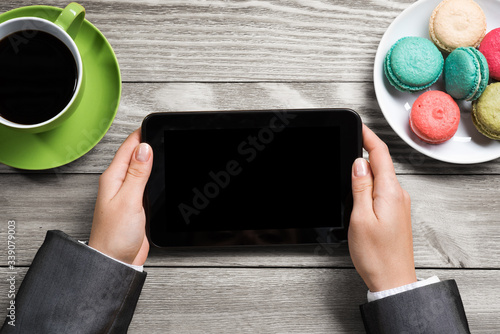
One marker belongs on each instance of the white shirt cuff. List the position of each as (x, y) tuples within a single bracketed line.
[(372, 296), (133, 266)]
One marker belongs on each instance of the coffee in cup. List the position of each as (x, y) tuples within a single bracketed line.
[(40, 70)]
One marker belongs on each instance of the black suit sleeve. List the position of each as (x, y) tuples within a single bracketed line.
[(70, 288), (435, 308)]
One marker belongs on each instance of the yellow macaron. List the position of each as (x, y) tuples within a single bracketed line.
[(486, 112)]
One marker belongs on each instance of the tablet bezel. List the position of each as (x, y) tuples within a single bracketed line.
[(154, 125)]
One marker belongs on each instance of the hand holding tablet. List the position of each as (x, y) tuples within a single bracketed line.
[(380, 240), (380, 234), (118, 228), (250, 177)]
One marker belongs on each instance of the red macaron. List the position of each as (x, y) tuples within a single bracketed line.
[(490, 48), (434, 117)]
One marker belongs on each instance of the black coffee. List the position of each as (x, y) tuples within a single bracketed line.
[(38, 76)]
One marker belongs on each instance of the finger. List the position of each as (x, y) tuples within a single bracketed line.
[(137, 174), (362, 187), (380, 158), (112, 179)]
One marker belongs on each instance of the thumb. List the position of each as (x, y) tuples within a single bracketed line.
[(362, 185), (138, 172)]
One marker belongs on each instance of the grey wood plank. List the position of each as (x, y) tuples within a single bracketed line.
[(453, 225), (138, 100), (279, 300), (287, 301), (239, 40)]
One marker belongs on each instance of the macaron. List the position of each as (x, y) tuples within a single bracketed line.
[(490, 48), (486, 112), (456, 23), (466, 73), (413, 64), (434, 117)]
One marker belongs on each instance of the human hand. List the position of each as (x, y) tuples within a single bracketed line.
[(380, 235), (118, 229)]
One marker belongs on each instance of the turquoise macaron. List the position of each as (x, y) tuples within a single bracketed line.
[(413, 64), (466, 73)]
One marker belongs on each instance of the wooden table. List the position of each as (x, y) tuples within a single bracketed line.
[(223, 55)]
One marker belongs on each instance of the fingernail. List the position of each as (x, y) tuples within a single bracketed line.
[(360, 167), (143, 153)]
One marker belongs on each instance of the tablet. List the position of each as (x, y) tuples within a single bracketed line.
[(250, 177)]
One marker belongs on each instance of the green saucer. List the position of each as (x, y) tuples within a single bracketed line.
[(90, 122)]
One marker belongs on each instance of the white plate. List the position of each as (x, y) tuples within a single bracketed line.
[(468, 145)]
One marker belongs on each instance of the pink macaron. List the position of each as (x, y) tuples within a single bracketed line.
[(490, 48), (434, 117)]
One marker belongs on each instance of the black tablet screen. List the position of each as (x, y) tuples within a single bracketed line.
[(252, 178)]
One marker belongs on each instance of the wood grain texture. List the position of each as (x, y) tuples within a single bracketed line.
[(452, 224), (242, 55), (280, 300), (239, 40), (138, 100)]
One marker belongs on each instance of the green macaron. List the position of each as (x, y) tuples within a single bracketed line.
[(466, 74), (486, 112), (413, 64)]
